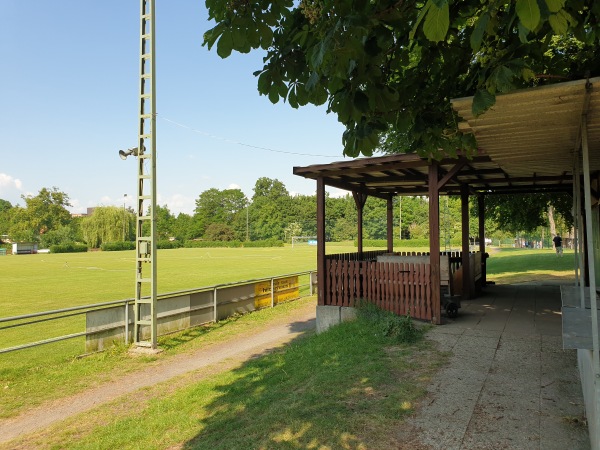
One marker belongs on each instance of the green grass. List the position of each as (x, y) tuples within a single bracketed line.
[(33, 376), (39, 282), (509, 265), (32, 283), (350, 387)]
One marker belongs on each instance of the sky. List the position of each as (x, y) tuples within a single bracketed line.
[(69, 84)]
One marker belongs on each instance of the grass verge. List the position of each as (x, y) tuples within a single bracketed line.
[(350, 387), (509, 266), (30, 377)]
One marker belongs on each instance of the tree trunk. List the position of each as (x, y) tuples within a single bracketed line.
[(551, 220)]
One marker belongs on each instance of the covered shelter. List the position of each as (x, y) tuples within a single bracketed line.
[(544, 139)]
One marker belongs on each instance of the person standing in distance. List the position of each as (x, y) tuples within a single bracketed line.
[(558, 245)]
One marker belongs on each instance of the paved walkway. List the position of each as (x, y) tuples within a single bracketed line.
[(509, 384), (214, 357)]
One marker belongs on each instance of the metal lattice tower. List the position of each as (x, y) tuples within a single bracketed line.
[(145, 282)]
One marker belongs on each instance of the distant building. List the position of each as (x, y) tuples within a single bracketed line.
[(24, 248), (89, 212)]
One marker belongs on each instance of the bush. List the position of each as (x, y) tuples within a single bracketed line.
[(165, 244), (117, 246), (68, 248), (213, 244), (403, 243), (400, 328), (265, 243), (219, 232), (233, 244)]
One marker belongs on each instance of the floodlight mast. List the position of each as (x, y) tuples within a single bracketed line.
[(145, 307)]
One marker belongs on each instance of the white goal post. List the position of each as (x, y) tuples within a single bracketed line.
[(309, 240)]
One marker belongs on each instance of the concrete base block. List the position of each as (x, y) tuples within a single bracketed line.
[(591, 395), (347, 314), (329, 316)]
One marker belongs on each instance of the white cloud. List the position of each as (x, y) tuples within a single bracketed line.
[(8, 182), (337, 193), (11, 189), (234, 186), (178, 203)]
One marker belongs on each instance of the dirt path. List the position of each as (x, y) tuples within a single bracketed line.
[(207, 361)]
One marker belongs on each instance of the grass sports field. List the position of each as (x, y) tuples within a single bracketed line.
[(32, 283)]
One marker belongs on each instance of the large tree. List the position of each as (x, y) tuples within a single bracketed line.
[(226, 206), (106, 224), (516, 213), (391, 66), (42, 213), (270, 211), (5, 213)]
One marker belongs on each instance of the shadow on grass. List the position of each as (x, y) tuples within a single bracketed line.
[(178, 339), (340, 389)]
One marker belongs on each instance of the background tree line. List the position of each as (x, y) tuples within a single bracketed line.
[(273, 214)]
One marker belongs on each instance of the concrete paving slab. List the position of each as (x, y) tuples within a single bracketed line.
[(469, 341), (483, 333), (509, 384), (520, 345)]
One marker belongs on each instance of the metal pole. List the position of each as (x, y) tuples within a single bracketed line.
[(590, 247), (272, 293), (145, 308), (126, 322), (124, 217), (215, 306)]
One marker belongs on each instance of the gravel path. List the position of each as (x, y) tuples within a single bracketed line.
[(213, 358)]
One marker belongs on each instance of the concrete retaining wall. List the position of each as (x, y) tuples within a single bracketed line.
[(329, 316), (591, 395), (179, 311)]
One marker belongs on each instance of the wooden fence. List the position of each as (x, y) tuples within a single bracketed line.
[(401, 288)]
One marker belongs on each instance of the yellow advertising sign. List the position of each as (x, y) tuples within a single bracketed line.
[(284, 289)]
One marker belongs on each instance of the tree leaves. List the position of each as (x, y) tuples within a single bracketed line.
[(367, 60), (482, 101), (529, 13), (225, 44), (478, 31), (501, 79), (555, 5), (437, 21)]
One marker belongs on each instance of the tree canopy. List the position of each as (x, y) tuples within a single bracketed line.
[(388, 68), (273, 214)]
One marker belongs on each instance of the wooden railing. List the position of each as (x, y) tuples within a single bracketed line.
[(356, 256), (400, 287), (397, 287)]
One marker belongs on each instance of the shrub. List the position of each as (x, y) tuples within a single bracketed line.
[(165, 244), (219, 232), (68, 248), (265, 243), (233, 244), (400, 328), (411, 243), (117, 246)]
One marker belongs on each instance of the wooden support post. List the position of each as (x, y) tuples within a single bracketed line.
[(321, 269), (360, 199), (390, 224), (434, 242), (481, 211), (466, 264)]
